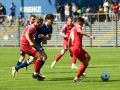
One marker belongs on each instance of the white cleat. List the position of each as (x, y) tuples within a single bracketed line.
[(42, 75), (74, 67), (13, 71), (76, 79), (52, 65), (84, 74)]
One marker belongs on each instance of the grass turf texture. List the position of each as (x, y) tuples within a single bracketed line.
[(61, 78)]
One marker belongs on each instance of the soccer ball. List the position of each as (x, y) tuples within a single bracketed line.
[(105, 76)]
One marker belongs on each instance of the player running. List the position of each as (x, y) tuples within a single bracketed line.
[(22, 54), (41, 33), (65, 32), (75, 43), (28, 45)]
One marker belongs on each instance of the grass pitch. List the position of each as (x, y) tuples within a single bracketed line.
[(61, 78)]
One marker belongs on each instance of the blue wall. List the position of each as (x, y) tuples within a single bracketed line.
[(44, 6)]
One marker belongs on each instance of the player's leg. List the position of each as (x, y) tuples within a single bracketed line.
[(58, 57), (44, 58), (30, 51), (83, 57), (74, 62)]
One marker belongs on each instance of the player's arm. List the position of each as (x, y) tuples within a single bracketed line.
[(85, 34), (45, 37), (27, 35), (63, 31), (69, 47)]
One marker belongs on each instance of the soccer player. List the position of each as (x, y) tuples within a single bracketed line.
[(65, 32), (28, 45), (22, 54), (41, 33), (75, 45)]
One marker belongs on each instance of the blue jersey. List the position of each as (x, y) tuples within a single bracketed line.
[(27, 24), (42, 30)]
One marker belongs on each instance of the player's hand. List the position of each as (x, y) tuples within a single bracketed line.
[(65, 36), (92, 37), (41, 36), (71, 54), (31, 44), (37, 47)]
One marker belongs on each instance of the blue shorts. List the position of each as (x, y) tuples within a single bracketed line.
[(22, 53)]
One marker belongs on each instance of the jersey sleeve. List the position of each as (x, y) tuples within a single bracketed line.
[(31, 29), (63, 28), (78, 27)]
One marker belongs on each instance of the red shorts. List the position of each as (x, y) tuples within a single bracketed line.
[(31, 51), (80, 54), (65, 44)]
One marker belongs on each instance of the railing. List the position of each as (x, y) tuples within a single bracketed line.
[(107, 33)]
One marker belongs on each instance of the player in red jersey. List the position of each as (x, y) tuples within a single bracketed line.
[(65, 32), (28, 46), (75, 45)]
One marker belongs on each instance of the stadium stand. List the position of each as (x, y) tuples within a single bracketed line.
[(105, 35)]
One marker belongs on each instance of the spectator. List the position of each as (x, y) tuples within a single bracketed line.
[(119, 12), (86, 19), (12, 8), (8, 20), (88, 9), (20, 20), (94, 11), (111, 10), (100, 9), (115, 10), (1, 13), (67, 10), (59, 11), (74, 10), (106, 5)]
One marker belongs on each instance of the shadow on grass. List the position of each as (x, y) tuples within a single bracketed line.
[(61, 79), (101, 66)]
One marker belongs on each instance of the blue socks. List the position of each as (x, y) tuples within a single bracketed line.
[(25, 64)]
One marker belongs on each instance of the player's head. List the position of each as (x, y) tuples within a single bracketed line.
[(80, 21), (49, 18), (38, 22), (32, 19), (70, 19)]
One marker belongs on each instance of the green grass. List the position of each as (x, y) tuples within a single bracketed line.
[(61, 78)]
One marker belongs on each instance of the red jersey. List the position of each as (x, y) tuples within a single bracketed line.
[(31, 29), (76, 38), (115, 9), (66, 29)]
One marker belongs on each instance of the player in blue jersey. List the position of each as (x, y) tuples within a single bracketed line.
[(45, 29), (41, 34), (22, 54)]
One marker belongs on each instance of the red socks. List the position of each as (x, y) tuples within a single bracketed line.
[(81, 70), (58, 57)]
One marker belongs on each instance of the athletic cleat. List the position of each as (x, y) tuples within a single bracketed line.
[(52, 65), (38, 77), (76, 79), (42, 75), (25, 68), (16, 72), (74, 67), (84, 74), (13, 71)]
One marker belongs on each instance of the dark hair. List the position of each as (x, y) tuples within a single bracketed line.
[(49, 16), (32, 16), (38, 19), (70, 16), (80, 19)]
